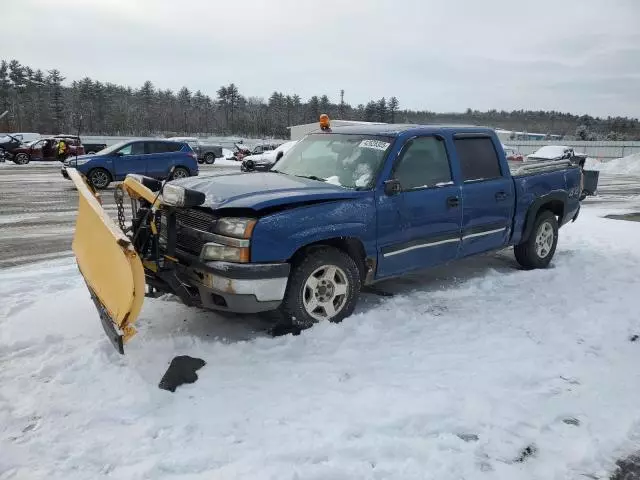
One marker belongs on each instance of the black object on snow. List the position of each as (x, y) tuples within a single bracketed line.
[(468, 437), (181, 370), (634, 338), (627, 469), (526, 452), (284, 328), (572, 421)]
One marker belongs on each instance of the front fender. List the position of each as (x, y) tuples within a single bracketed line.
[(278, 236)]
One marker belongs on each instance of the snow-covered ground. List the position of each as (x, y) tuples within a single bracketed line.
[(452, 378), (629, 165)]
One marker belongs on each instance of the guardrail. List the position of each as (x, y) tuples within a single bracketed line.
[(602, 150)]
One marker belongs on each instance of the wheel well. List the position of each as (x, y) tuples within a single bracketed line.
[(184, 168), (350, 245), (554, 206)]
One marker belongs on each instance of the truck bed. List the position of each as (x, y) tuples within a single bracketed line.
[(522, 169)]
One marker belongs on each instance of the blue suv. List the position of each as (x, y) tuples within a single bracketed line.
[(153, 158)]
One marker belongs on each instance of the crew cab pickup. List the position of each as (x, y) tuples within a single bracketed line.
[(343, 209)]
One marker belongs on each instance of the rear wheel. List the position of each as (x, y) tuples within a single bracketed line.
[(21, 159), (180, 172), (324, 285), (99, 178), (538, 250), (209, 158)]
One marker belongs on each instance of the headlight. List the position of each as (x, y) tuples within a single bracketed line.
[(235, 227), (173, 195), (80, 161), (216, 251), (178, 196)]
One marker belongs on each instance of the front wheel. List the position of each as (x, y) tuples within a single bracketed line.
[(209, 158), (99, 178), (538, 250), (324, 285), (21, 159)]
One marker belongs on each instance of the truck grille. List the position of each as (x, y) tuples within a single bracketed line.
[(190, 223), (197, 219)]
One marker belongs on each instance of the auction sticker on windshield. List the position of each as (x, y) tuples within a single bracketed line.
[(375, 144)]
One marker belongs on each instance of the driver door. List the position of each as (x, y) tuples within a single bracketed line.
[(419, 222), (130, 159)]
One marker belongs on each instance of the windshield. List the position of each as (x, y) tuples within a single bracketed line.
[(350, 161), (112, 148)]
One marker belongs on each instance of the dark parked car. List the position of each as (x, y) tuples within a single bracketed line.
[(9, 142), (153, 158), (206, 152), (89, 148)]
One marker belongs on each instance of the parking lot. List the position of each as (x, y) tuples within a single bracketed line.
[(468, 368), (38, 208)]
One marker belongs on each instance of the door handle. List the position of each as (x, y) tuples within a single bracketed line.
[(501, 196), (453, 202)]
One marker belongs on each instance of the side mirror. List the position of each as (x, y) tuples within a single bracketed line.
[(119, 154), (279, 155), (392, 187)]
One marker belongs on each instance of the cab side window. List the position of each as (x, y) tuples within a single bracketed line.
[(424, 163), (478, 159)]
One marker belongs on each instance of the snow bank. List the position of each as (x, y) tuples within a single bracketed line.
[(629, 165), (399, 390), (224, 162)]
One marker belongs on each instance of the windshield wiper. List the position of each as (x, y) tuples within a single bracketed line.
[(311, 177)]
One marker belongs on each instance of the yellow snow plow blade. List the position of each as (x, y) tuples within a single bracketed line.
[(109, 264)]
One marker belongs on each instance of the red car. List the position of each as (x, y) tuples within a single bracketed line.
[(512, 154), (45, 149)]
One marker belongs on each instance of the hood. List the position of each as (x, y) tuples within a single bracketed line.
[(258, 191), (72, 160)]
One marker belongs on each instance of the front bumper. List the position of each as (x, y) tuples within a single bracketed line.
[(232, 287)]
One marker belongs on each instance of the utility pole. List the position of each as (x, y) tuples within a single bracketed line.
[(342, 104)]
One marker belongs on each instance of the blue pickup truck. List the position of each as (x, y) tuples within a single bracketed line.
[(343, 209)]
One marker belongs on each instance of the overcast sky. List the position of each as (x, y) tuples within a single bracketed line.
[(581, 56)]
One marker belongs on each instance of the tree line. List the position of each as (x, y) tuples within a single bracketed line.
[(41, 101)]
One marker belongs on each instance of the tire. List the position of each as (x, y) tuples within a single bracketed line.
[(209, 158), (538, 250), (300, 295), (180, 172), (21, 159), (99, 178)]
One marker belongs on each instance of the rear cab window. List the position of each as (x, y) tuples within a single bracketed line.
[(478, 158)]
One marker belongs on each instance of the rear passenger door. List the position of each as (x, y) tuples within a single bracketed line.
[(488, 196), (130, 159), (160, 158)]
